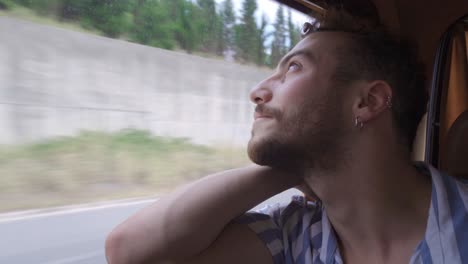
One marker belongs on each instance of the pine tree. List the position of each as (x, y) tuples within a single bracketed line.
[(261, 38), (246, 39), (152, 24), (228, 20), (279, 46), (294, 32), (209, 25), (188, 23)]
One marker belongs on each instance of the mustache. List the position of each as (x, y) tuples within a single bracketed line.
[(269, 111)]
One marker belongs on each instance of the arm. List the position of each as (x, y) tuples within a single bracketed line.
[(188, 222)]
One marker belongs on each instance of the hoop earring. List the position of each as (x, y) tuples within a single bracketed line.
[(389, 102), (358, 123)]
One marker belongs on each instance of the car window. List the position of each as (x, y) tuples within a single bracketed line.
[(119, 102), (116, 99), (450, 91)]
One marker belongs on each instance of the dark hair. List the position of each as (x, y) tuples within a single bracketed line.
[(372, 53)]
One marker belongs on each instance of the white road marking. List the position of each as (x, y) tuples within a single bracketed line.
[(10, 217), (76, 258)]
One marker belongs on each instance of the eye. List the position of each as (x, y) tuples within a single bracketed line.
[(293, 66)]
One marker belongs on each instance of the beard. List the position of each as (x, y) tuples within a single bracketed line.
[(310, 136)]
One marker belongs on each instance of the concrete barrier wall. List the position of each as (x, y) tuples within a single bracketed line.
[(56, 82)]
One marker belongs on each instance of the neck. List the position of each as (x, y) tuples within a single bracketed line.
[(374, 205)]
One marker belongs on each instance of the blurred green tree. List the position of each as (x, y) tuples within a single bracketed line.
[(294, 31), (191, 25), (228, 21), (208, 25), (279, 46), (71, 10), (247, 33), (6, 4), (180, 13), (262, 36), (112, 17), (42, 7), (153, 24)]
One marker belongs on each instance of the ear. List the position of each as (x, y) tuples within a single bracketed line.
[(374, 98)]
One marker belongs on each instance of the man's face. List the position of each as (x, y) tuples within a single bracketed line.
[(299, 117)]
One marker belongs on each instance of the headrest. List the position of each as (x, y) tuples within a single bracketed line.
[(457, 147)]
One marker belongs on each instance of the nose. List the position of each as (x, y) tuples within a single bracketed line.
[(261, 93)]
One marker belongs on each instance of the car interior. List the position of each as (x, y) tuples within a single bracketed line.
[(111, 164), (454, 125)]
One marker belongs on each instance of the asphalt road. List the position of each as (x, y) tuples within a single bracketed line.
[(68, 236)]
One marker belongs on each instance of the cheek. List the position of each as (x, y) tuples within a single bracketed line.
[(303, 86), (299, 93), (307, 107)]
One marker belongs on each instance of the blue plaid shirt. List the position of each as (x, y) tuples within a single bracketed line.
[(301, 232)]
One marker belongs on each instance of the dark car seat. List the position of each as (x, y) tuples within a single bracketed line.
[(456, 158)]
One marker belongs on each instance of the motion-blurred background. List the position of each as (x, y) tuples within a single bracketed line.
[(103, 100)]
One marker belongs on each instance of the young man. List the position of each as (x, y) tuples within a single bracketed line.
[(336, 120)]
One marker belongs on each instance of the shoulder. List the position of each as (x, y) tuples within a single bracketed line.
[(281, 216), (448, 217), (445, 187), (284, 228), (456, 188)]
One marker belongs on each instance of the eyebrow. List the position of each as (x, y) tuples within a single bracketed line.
[(306, 53)]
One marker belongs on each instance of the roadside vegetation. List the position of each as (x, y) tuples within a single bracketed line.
[(201, 26), (98, 166)]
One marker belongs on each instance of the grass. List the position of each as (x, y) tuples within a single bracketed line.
[(96, 166)]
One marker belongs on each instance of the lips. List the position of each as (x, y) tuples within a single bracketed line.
[(264, 112), (259, 115)]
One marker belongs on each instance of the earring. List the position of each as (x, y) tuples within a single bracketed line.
[(389, 102), (358, 123)]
